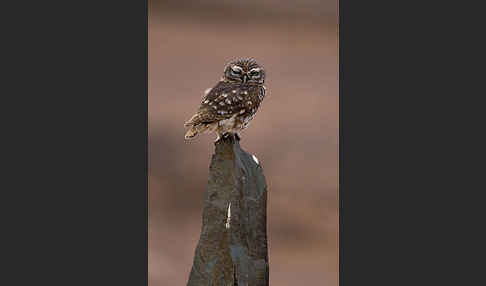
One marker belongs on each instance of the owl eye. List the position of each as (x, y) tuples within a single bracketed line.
[(236, 70), (254, 73)]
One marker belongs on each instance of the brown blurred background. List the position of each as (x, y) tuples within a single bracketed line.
[(294, 134)]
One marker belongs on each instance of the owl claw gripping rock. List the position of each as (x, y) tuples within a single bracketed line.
[(230, 106)]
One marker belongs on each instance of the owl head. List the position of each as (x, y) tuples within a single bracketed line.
[(244, 71)]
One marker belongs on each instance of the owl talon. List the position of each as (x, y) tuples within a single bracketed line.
[(228, 136)]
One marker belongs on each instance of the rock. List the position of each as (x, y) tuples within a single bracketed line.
[(232, 249)]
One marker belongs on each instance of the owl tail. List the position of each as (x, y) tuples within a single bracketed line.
[(195, 128), (200, 129), (191, 121), (191, 133)]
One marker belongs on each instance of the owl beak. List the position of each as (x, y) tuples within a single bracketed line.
[(245, 78)]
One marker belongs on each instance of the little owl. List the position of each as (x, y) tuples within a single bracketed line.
[(230, 106)]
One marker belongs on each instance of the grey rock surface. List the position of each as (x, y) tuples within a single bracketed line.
[(232, 249)]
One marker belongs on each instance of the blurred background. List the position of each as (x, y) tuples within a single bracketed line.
[(294, 134)]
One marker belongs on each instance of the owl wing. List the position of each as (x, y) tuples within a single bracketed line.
[(221, 102)]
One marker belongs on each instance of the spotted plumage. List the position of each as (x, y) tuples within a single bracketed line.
[(230, 106)]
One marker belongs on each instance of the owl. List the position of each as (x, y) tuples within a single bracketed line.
[(229, 107)]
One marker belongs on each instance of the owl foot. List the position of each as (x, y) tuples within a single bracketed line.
[(227, 136), (232, 137), (221, 137)]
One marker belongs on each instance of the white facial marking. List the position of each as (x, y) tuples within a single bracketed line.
[(236, 68)]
